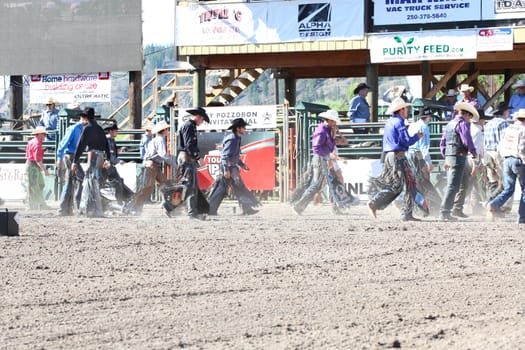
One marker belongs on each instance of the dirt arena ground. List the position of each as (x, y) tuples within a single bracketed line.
[(269, 281)]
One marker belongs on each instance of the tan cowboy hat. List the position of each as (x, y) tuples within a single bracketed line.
[(162, 125), (519, 83), (396, 105), (51, 101), (451, 92), (465, 106), (39, 130), (466, 87), (520, 114), (330, 115)]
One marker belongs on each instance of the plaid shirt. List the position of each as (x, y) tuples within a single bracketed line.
[(493, 132)]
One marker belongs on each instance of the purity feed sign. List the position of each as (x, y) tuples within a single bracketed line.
[(419, 46)]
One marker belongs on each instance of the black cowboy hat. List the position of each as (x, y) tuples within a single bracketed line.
[(110, 127), (425, 112), (360, 87), (199, 111), (237, 123), (500, 108), (88, 112)]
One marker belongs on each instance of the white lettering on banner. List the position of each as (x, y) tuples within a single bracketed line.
[(82, 88), (269, 22), (394, 12), (259, 117), (427, 45)]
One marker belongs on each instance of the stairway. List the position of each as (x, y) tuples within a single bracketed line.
[(232, 85)]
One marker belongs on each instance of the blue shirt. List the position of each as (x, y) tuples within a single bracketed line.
[(493, 130), (359, 110), (49, 120), (516, 102), (144, 144), (423, 144), (396, 137), (69, 142), (231, 151)]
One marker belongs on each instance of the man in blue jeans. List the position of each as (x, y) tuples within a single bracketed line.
[(455, 144), (512, 149)]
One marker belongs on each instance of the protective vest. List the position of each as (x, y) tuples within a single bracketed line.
[(454, 146), (510, 142)]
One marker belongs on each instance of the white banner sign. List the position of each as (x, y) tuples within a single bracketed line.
[(259, 117), (66, 88), (421, 46), (502, 9), (269, 22), (356, 174), (495, 39), (395, 12)]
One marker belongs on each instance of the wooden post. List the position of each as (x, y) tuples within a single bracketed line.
[(16, 100), (290, 91), (372, 80), (135, 100), (199, 88)]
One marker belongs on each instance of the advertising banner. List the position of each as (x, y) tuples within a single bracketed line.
[(495, 39), (428, 45), (502, 9), (269, 22), (257, 152), (66, 88), (395, 12), (259, 117)]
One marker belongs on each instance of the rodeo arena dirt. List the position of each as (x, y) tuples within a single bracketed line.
[(273, 280)]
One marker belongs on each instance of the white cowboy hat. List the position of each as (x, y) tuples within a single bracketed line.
[(466, 87), (39, 130), (519, 83), (396, 105), (465, 106), (162, 125), (330, 115), (520, 114), (451, 92)]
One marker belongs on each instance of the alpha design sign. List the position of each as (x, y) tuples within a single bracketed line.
[(269, 22)]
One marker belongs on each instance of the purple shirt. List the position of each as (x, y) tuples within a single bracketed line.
[(396, 137), (463, 130), (322, 141)]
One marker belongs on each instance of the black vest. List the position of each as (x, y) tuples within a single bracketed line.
[(454, 145)]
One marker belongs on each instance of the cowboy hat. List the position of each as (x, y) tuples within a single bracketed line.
[(483, 115), (500, 108), (51, 101), (520, 114), (519, 83), (425, 112), (88, 112), (465, 106), (110, 127), (451, 92), (199, 111), (73, 105), (360, 87), (330, 115), (466, 87), (39, 130), (237, 123), (148, 127), (397, 104), (160, 126)]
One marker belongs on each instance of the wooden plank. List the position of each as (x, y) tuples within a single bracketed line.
[(442, 83)]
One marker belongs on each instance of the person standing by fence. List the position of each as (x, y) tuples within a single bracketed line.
[(34, 168), (72, 190)]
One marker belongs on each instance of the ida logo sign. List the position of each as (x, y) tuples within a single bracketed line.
[(423, 46)]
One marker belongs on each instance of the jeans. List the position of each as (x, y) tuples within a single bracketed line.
[(454, 178), (513, 169)]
